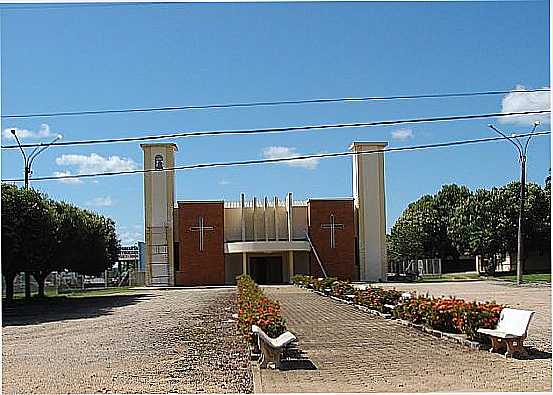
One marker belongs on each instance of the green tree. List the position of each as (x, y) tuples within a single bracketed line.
[(424, 228), (40, 235), (27, 227)]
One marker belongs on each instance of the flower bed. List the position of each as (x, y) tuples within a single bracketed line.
[(449, 315), (254, 308)]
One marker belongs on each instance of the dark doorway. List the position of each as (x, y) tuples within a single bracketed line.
[(266, 269)]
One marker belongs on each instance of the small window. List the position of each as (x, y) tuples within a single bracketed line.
[(158, 162), (176, 256)]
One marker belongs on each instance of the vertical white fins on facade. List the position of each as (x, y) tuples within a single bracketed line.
[(369, 200), (159, 200)]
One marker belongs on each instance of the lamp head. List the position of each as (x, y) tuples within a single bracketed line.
[(59, 137), (537, 123), (13, 131)]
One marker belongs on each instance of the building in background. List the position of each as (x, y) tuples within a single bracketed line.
[(212, 242)]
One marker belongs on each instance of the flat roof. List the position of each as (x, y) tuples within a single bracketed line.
[(377, 143), (200, 201), (340, 198), (160, 145)]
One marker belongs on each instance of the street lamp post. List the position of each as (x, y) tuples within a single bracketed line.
[(522, 151), (28, 162)]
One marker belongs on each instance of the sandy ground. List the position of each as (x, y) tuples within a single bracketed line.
[(146, 342)]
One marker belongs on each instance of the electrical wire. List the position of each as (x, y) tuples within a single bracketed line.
[(279, 129), (275, 103), (277, 160)]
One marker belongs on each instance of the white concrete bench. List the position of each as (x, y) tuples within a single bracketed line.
[(271, 349), (510, 332)]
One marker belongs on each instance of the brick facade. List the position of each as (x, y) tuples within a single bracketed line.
[(197, 267), (338, 258)]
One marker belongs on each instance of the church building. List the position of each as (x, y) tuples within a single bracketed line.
[(212, 242)]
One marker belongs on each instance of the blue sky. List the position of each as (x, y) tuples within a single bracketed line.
[(108, 57)]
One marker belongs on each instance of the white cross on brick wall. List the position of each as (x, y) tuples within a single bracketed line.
[(332, 226), (201, 228)]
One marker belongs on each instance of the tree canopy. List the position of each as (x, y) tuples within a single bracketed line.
[(40, 235), (456, 221)]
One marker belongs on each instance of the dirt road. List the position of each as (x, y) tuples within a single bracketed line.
[(152, 341)]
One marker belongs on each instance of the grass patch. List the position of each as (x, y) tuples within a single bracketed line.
[(467, 276), (53, 293), (530, 278)]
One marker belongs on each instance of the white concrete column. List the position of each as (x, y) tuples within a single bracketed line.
[(265, 219), (276, 218), (289, 215), (290, 265), (244, 263), (243, 216), (159, 201), (253, 219), (369, 200)]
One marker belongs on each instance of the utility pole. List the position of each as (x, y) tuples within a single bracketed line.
[(522, 152), (28, 162)]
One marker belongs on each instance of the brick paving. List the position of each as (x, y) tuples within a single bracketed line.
[(352, 351)]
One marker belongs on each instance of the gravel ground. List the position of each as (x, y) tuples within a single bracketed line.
[(179, 340)]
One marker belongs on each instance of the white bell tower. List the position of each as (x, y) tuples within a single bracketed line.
[(159, 200), (370, 211)]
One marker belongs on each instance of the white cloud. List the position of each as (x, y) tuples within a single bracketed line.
[(95, 163), (102, 201), (129, 238), (224, 182), (23, 134), (519, 101), (67, 180), (279, 152), (402, 134)]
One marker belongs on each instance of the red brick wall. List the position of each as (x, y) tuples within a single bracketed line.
[(339, 261), (197, 267)]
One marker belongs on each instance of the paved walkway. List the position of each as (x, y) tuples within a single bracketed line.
[(352, 351)]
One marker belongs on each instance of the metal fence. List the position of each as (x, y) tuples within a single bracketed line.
[(64, 282), (418, 267)]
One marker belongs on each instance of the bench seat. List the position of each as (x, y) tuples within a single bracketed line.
[(510, 332), (272, 348), (496, 333)]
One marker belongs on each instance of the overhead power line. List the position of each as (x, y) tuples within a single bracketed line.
[(281, 129), (276, 160), (274, 103)]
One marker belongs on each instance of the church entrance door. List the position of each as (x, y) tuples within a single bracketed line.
[(266, 269)]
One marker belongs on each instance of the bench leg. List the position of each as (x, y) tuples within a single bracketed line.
[(497, 344), (515, 346), (269, 355)]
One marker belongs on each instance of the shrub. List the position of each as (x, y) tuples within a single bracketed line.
[(254, 308), (375, 298), (342, 288), (301, 280), (450, 314), (320, 284)]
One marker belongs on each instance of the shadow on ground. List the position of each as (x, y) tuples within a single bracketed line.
[(39, 311), (295, 359), (534, 353)]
